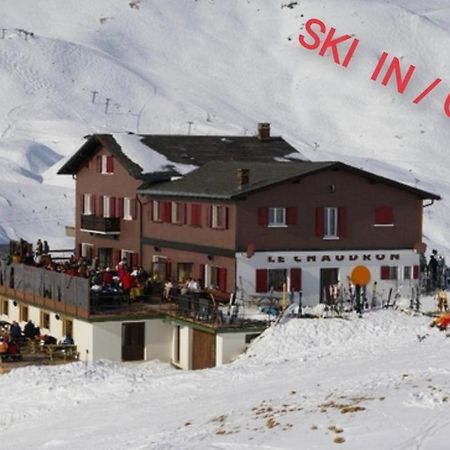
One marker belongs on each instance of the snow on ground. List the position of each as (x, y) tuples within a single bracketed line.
[(309, 383)]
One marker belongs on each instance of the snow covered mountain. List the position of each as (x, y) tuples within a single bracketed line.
[(72, 68)]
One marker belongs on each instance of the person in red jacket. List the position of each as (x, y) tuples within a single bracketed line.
[(127, 282)]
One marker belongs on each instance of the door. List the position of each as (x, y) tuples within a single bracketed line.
[(203, 350), (328, 277), (133, 341)]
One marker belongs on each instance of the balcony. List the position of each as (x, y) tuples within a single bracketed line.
[(100, 225)]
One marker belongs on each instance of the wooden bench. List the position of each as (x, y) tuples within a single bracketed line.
[(67, 352), (11, 357)]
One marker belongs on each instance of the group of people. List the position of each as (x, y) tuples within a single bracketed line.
[(192, 285)]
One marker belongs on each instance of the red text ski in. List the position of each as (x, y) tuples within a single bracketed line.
[(343, 49)]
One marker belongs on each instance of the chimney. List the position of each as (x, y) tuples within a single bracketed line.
[(263, 131), (243, 176)]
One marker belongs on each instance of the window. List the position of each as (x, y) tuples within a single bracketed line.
[(184, 272), (276, 278), (277, 217), (23, 313), (218, 216), (127, 209), (330, 223), (87, 251), (106, 206), (218, 278), (105, 164), (105, 257), (5, 307), (384, 216), (407, 273), (389, 272), (67, 327), (131, 258), (88, 204), (45, 320), (178, 213), (156, 211)]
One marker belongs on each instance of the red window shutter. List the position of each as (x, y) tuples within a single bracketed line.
[(81, 203), (222, 279), (167, 212), (120, 207), (168, 273), (100, 205), (209, 216), (134, 260), (201, 275), (416, 272), (384, 215), (296, 279), (112, 207), (98, 163), (341, 221), (385, 273), (261, 280), (196, 215), (133, 208), (93, 205), (225, 217), (109, 164), (291, 216), (263, 217), (320, 212), (116, 257)]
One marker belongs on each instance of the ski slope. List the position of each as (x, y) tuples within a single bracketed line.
[(306, 384), (224, 66)]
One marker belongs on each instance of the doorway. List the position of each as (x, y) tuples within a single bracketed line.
[(133, 341), (328, 277)]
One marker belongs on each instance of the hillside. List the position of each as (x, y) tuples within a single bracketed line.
[(369, 383), (224, 66)]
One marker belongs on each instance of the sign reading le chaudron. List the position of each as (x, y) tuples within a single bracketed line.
[(337, 257)]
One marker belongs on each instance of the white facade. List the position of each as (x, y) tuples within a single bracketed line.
[(312, 262)]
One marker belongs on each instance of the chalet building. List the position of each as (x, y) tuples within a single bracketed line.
[(243, 215), (110, 168), (252, 227)]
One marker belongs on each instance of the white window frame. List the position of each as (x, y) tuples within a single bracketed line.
[(127, 209), (176, 212), (277, 217), (84, 247), (330, 223), (106, 206), (104, 164), (156, 211), (217, 218), (87, 202)]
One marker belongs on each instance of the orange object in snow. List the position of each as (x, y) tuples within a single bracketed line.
[(443, 321)]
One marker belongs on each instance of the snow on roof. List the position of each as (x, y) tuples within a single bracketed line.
[(147, 158)]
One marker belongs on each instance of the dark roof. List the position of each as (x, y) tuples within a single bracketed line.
[(218, 179), (193, 150)]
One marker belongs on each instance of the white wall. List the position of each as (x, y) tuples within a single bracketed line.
[(246, 269), (158, 340), (229, 346)]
